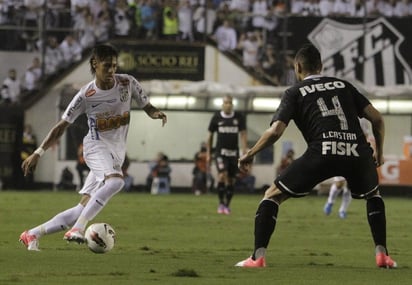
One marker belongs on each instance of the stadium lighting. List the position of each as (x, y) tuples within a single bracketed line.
[(159, 101), (217, 102), (381, 105), (173, 101), (265, 104), (400, 106), (393, 106), (180, 101)]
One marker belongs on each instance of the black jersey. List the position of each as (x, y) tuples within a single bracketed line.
[(227, 128), (326, 110)]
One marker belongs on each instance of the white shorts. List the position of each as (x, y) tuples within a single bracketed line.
[(102, 162), (91, 184), (338, 178)]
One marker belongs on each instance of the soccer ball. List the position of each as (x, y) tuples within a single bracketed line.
[(100, 237)]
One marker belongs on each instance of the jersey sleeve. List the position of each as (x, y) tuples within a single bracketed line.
[(286, 109), (138, 93), (75, 108)]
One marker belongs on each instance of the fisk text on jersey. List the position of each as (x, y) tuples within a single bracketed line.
[(339, 148)]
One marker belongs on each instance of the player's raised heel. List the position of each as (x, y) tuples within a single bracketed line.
[(385, 261), (249, 262), (74, 235), (30, 241)]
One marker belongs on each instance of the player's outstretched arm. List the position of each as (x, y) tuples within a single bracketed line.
[(30, 163), (269, 137), (155, 113)]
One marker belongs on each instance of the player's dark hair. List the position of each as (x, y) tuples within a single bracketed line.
[(101, 52), (309, 58)]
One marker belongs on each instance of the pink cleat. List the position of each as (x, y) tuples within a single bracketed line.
[(30, 241), (260, 262), (385, 261), (74, 235), (221, 209), (226, 211)]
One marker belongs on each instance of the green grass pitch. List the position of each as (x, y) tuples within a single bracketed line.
[(179, 239)]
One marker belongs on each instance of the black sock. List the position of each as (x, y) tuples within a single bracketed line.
[(229, 194), (265, 222), (375, 208), (221, 192)]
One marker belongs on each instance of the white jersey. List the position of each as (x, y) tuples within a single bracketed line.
[(107, 111)]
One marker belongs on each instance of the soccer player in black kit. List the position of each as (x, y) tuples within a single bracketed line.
[(326, 111), (229, 126)]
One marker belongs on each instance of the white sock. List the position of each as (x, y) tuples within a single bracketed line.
[(346, 198), (333, 193), (98, 201), (60, 222)]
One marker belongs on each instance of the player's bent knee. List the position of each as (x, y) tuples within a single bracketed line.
[(85, 199), (272, 192), (372, 194)]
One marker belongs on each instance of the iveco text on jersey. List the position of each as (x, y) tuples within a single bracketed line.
[(321, 87)]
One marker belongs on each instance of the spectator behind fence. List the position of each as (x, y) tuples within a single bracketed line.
[(84, 29), (170, 28), (162, 168), (259, 11), (148, 14), (53, 57), (225, 37), (270, 65), (325, 7), (121, 19), (31, 15), (249, 44), (185, 15), (11, 88), (32, 76), (204, 26), (152, 166), (200, 171), (71, 50), (103, 23)]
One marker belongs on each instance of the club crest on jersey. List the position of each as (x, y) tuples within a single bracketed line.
[(124, 94), (90, 92), (358, 51)]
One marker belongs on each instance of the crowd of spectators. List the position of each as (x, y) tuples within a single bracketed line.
[(64, 29)]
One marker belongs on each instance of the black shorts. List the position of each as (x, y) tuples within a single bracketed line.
[(227, 163), (300, 177)]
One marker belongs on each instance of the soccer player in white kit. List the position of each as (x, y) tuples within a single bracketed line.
[(106, 101), (338, 186)]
